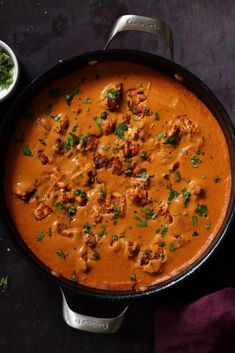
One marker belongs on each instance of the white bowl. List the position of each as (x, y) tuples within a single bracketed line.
[(5, 93)]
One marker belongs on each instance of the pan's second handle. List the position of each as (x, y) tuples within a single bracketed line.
[(89, 323), (143, 24)]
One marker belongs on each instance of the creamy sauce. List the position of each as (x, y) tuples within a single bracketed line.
[(117, 176)]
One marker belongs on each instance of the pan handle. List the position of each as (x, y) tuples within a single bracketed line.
[(143, 24), (89, 323)]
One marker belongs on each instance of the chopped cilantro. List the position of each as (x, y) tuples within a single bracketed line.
[(133, 277), (87, 228), (42, 141), (102, 193), (172, 248), (88, 100), (4, 283), (142, 222), (26, 151), (75, 127), (97, 121), (74, 278), (78, 192), (201, 210), (148, 213), (72, 211), (216, 179), (160, 135), (114, 237), (40, 236), (164, 230), (56, 117), (59, 205), (195, 161), (143, 174), (61, 254), (104, 115), (186, 195), (157, 116), (101, 233), (162, 244), (128, 172), (6, 70), (144, 155), (71, 141), (178, 175), (68, 97), (194, 221), (95, 255), (119, 131), (208, 226), (112, 93), (170, 140), (117, 208), (173, 195)]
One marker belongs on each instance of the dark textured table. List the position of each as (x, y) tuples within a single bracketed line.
[(44, 32)]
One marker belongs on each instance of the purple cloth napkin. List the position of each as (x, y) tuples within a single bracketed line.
[(204, 326)]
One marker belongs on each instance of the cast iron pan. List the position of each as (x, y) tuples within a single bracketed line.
[(118, 299)]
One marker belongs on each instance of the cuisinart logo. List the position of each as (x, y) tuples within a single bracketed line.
[(139, 24), (92, 323)]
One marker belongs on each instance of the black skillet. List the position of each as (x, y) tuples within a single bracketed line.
[(116, 299)]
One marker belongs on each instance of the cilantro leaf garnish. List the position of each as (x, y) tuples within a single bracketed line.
[(26, 151), (201, 210), (173, 195), (119, 131)]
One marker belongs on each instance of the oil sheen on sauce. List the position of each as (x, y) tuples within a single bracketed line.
[(117, 176)]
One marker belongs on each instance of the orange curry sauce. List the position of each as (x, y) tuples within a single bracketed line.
[(117, 176)]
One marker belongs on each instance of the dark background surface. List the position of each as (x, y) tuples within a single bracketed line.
[(43, 32)]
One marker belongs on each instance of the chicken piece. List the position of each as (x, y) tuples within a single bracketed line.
[(163, 211), (63, 124), (138, 196), (182, 126), (133, 133), (196, 190), (83, 263), (101, 161), (68, 233), (90, 144), (151, 260), (137, 101), (131, 149), (108, 125), (118, 204), (117, 166), (58, 179), (96, 213), (117, 243), (113, 95), (42, 211), (68, 196), (90, 240), (24, 190), (44, 159), (133, 249)]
